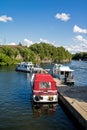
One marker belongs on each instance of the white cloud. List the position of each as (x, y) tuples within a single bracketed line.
[(76, 48), (81, 39), (27, 42), (47, 41), (81, 47), (10, 43), (44, 40), (5, 18), (63, 16), (77, 29)]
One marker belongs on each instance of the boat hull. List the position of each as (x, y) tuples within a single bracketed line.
[(21, 70), (45, 99)]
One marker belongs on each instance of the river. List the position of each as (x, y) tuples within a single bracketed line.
[(80, 72), (17, 112)]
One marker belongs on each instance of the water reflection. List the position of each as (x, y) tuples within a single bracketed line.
[(44, 109)]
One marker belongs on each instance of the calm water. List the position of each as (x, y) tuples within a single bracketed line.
[(17, 112), (80, 72)]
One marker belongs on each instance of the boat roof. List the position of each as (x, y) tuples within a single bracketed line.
[(44, 77), (65, 68), (61, 67), (26, 63)]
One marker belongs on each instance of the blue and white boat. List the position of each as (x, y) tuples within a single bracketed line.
[(27, 67)]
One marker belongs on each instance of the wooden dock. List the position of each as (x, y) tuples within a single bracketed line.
[(59, 82), (75, 100)]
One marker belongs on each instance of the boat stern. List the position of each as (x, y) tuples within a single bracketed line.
[(45, 98)]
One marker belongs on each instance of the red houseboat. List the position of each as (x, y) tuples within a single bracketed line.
[(44, 89)]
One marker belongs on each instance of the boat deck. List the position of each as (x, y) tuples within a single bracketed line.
[(75, 100), (59, 82)]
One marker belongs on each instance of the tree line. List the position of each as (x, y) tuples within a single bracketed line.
[(80, 56), (37, 53)]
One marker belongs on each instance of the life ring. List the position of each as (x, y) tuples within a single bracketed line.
[(37, 98), (50, 98)]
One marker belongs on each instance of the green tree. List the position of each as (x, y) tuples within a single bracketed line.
[(5, 60)]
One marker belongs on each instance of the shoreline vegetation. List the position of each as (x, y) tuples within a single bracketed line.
[(37, 53), (80, 56)]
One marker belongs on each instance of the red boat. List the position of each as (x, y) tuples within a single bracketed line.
[(44, 89)]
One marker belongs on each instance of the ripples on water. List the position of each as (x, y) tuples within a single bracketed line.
[(80, 72), (17, 112)]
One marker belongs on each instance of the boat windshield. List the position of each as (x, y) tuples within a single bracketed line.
[(45, 85)]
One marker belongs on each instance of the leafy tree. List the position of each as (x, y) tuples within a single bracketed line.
[(20, 44), (35, 53), (49, 52), (81, 55), (5, 60)]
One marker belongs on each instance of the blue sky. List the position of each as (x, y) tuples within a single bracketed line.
[(59, 22)]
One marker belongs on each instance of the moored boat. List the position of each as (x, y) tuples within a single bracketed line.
[(28, 67), (25, 67), (44, 89), (64, 73)]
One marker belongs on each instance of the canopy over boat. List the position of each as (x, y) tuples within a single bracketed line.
[(65, 68), (43, 82)]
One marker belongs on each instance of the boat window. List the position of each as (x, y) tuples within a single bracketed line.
[(62, 73), (25, 66), (45, 85), (31, 66), (67, 74)]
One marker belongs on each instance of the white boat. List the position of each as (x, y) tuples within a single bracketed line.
[(64, 73), (27, 67)]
